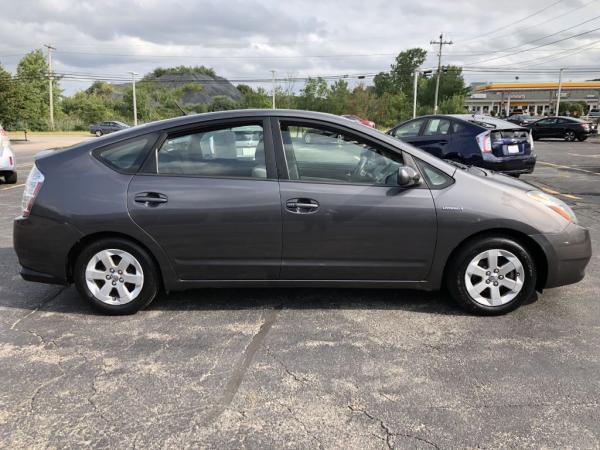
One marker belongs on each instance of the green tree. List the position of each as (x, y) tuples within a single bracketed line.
[(400, 77), (32, 89), (258, 98), (9, 100), (222, 103), (338, 97), (313, 95), (452, 84), (85, 109)]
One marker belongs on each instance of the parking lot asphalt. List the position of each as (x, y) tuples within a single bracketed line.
[(307, 368)]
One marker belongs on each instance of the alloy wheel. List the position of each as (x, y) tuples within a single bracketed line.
[(494, 277), (114, 277), (570, 136)]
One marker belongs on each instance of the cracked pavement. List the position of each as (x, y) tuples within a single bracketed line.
[(306, 368)]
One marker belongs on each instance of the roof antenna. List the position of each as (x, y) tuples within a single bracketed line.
[(180, 108)]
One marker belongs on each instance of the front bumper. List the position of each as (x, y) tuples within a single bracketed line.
[(567, 253)]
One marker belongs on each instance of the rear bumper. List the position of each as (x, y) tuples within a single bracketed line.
[(568, 253), (42, 246), (510, 165)]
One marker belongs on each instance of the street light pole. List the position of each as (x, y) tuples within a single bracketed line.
[(50, 83), (133, 74), (273, 87), (560, 72), (415, 84), (441, 43)]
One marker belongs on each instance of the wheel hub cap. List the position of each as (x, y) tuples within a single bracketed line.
[(494, 277), (114, 277)]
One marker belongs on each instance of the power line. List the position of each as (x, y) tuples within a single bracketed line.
[(539, 46), (513, 23)]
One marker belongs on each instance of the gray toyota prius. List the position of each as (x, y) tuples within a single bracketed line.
[(239, 198)]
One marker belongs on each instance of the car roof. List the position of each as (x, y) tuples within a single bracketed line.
[(475, 119)]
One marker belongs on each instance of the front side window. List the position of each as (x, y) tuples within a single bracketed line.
[(328, 155), (411, 128), (547, 122), (232, 151)]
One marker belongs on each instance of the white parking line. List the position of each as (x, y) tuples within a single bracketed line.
[(584, 156), (12, 187), (560, 166)]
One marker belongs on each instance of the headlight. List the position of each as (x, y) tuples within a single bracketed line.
[(556, 205)]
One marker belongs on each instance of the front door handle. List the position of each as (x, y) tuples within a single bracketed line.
[(151, 198), (302, 205)]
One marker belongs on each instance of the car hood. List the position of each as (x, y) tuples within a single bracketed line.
[(501, 179)]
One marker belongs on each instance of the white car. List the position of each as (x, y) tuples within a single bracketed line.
[(8, 168)]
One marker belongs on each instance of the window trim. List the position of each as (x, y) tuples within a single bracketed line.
[(282, 162), (150, 167)]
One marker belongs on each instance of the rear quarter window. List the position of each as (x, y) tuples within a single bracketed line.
[(126, 156)]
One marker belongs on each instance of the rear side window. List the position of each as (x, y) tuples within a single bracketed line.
[(437, 127), (236, 151), (127, 156)]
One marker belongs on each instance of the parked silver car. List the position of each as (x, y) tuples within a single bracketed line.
[(174, 205)]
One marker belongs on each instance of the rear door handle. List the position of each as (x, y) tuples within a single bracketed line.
[(302, 205), (151, 198)]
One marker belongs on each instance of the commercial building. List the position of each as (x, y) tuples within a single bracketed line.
[(533, 98)]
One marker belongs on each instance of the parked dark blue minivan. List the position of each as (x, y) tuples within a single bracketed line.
[(471, 139)]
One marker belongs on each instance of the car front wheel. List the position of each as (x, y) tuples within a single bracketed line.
[(116, 276), (491, 276)]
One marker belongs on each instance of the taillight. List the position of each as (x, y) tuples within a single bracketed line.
[(32, 188), (530, 139), (485, 142), (585, 126)]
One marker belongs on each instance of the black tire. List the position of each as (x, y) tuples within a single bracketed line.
[(457, 266), (581, 138), (11, 179), (569, 136), (150, 285)]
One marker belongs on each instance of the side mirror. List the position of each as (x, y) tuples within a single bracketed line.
[(407, 177)]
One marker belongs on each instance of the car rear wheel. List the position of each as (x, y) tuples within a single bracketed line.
[(491, 276), (116, 276), (11, 179), (98, 133), (569, 136)]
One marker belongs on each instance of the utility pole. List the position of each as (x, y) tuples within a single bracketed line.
[(133, 74), (273, 87), (50, 82), (415, 84), (560, 72), (441, 43)]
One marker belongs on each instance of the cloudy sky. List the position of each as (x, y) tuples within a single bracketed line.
[(494, 40)]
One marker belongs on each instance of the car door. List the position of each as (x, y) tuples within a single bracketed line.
[(545, 128), (212, 204), (344, 216), (436, 136)]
